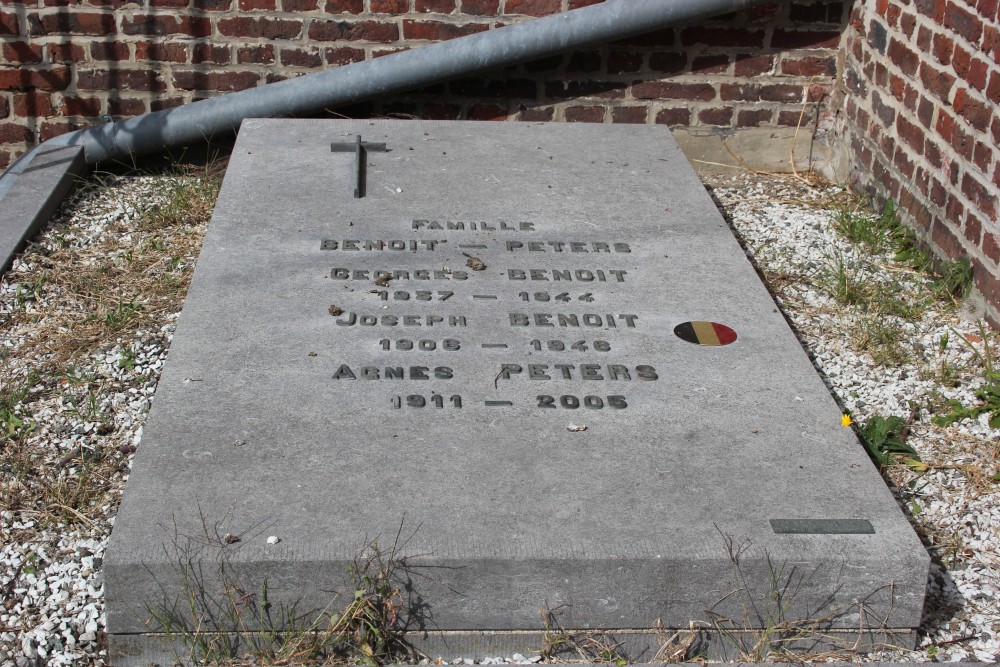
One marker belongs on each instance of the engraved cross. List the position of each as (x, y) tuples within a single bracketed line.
[(360, 149)]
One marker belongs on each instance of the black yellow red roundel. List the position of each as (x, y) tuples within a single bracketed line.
[(705, 333)]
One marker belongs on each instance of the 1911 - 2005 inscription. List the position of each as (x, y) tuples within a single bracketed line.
[(430, 331)]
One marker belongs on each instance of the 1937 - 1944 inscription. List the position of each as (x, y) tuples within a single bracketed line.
[(553, 304)]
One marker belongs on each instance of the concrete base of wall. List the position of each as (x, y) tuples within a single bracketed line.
[(723, 150)]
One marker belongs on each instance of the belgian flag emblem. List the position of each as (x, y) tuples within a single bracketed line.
[(705, 333)]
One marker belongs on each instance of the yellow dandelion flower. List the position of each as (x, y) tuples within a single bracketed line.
[(845, 420)]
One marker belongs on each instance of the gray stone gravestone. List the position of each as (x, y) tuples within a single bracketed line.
[(539, 349)]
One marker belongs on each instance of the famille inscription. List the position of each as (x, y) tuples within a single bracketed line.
[(400, 286)]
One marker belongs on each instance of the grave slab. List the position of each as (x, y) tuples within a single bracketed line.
[(537, 353)]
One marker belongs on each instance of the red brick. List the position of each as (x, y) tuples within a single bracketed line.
[(217, 54), (943, 237), (340, 6), (575, 4), (621, 62), (589, 114), (77, 23), (908, 24), (116, 51), (903, 163), (251, 5), (903, 57), (511, 88), (710, 64), (476, 7), (631, 115), (754, 117), (171, 4), (536, 114), (20, 52), (668, 62), (4, 107), (343, 55), (437, 30), (8, 24), (982, 157), (393, 6), (987, 283), (300, 5), (727, 37), (434, 6), (991, 247), (437, 111), (936, 81), (674, 117), (911, 134), (977, 113), (259, 54), (576, 89), (804, 39), (126, 107), (121, 79), (718, 116), (666, 90), (81, 106), (14, 134), (753, 65), (54, 78), (268, 28), (991, 42), (161, 24), (212, 5), (32, 104), (533, 7), (174, 52), (165, 103), (655, 38), (816, 12), (584, 61), (980, 195), (972, 229), (487, 112), (61, 52), (925, 112), (943, 46), (932, 8), (965, 23), (369, 31), (53, 128), (301, 58), (224, 81), (810, 66)]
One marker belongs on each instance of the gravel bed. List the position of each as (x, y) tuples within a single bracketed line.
[(72, 410)]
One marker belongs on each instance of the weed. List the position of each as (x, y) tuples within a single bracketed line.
[(885, 437), (880, 336), (244, 624), (862, 228), (987, 395), (595, 646), (121, 314), (13, 424), (126, 359), (844, 280)]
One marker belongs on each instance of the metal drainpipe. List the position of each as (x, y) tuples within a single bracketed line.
[(199, 121)]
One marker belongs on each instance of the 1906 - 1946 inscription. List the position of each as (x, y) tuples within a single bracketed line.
[(566, 309)]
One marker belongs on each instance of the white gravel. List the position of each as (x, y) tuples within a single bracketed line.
[(51, 592)]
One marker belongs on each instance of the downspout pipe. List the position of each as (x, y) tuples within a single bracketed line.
[(387, 75)]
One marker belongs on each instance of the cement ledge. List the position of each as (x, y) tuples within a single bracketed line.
[(33, 196)]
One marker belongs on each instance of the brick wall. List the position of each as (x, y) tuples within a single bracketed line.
[(923, 82), (66, 62)]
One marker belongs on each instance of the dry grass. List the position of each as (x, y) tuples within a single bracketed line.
[(77, 294)]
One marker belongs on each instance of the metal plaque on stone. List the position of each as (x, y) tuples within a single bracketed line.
[(537, 353)]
